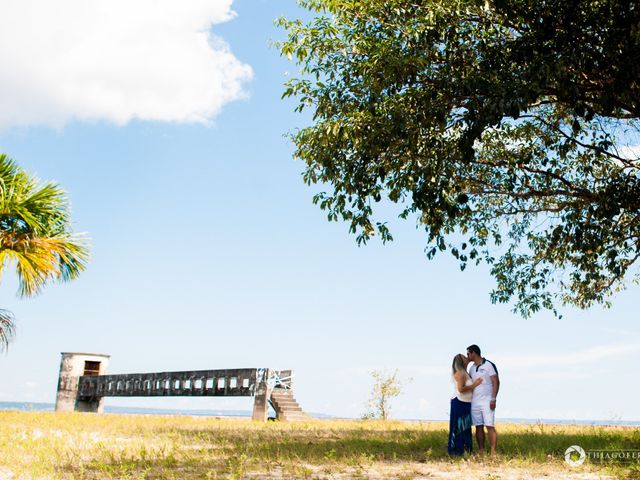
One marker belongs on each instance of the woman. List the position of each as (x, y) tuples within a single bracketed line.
[(460, 439)]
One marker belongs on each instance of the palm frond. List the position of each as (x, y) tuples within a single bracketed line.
[(35, 232), (7, 329), (73, 255), (39, 261)]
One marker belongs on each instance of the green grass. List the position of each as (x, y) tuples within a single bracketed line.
[(88, 446)]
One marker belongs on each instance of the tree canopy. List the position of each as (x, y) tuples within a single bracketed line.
[(507, 128), (35, 236)]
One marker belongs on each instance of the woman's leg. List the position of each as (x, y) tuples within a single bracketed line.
[(467, 436), (452, 446)]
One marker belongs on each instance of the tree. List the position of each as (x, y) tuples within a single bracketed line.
[(387, 386), (35, 236), (507, 128)]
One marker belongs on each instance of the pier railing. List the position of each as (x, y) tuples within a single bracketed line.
[(240, 382)]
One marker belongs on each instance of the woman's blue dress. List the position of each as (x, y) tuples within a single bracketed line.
[(460, 439)]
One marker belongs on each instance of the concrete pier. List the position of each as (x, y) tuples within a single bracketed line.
[(83, 384)]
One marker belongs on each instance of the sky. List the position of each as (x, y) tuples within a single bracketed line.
[(163, 122)]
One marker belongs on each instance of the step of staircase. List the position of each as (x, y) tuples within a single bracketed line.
[(293, 417), (286, 407), (283, 394), (291, 409), (297, 414)]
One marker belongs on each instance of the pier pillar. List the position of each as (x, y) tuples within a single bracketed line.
[(261, 398), (72, 367)]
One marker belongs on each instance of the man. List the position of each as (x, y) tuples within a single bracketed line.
[(483, 402)]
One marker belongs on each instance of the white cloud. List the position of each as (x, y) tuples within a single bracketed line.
[(562, 375), (560, 360), (620, 331), (115, 60), (405, 371)]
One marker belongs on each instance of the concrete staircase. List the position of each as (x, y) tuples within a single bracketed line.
[(286, 407)]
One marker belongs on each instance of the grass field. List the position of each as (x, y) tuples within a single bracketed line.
[(86, 446)]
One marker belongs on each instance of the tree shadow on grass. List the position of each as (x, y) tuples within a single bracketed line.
[(228, 450)]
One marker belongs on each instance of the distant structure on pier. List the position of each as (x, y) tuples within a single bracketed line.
[(83, 384)]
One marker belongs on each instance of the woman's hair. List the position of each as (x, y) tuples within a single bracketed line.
[(458, 364)]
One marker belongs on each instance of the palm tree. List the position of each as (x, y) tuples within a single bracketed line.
[(35, 236)]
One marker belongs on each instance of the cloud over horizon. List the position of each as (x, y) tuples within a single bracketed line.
[(569, 358), (115, 61)]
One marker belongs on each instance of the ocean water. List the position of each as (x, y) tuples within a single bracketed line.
[(49, 407)]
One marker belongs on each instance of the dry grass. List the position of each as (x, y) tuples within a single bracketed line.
[(87, 446)]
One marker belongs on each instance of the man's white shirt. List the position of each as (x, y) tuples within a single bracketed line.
[(483, 392)]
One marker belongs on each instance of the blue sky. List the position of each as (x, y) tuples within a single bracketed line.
[(208, 253)]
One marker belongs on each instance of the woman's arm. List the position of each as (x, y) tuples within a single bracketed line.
[(460, 379)]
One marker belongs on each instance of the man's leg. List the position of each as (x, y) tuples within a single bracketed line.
[(493, 439), (480, 438)]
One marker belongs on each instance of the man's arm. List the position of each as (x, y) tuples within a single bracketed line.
[(461, 380), (495, 386)]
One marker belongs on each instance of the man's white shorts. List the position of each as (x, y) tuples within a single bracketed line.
[(481, 414)]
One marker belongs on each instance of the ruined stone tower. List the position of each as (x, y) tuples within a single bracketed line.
[(72, 366)]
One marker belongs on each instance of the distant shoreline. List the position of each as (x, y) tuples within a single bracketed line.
[(48, 407)]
